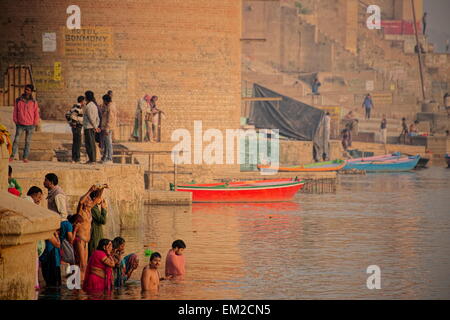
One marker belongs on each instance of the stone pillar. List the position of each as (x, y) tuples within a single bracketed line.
[(351, 32), (4, 160), (22, 224)]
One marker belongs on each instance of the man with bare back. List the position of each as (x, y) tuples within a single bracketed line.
[(83, 233)]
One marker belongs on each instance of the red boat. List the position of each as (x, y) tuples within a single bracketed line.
[(277, 190)]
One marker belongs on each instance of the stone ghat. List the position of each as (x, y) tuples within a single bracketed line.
[(126, 184)]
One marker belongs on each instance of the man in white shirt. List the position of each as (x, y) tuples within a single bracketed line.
[(56, 200), (91, 124)]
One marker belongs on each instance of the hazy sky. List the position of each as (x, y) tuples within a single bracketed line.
[(438, 22)]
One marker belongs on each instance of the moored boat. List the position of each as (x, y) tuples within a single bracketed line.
[(333, 165), (395, 155), (277, 190), (447, 159), (422, 164), (385, 165)]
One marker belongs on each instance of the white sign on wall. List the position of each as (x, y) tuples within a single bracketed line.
[(370, 85), (49, 42)]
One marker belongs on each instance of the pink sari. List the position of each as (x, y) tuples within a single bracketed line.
[(92, 281)]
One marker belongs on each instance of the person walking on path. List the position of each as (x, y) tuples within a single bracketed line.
[(383, 129), (91, 123), (56, 199), (109, 120), (26, 118), (368, 105), (424, 22), (315, 86), (75, 118), (404, 132)]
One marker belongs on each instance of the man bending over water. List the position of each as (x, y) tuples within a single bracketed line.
[(83, 234)]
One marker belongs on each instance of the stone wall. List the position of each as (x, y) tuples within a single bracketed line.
[(186, 52), (125, 194), (22, 224)]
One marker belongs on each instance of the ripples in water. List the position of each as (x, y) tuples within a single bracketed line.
[(317, 247)]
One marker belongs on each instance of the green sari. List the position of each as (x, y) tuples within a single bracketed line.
[(98, 220)]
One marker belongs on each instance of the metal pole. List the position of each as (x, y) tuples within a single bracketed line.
[(153, 165), (175, 171), (150, 178), (419, 52)]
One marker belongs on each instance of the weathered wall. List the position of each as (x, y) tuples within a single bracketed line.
[(22, 224), (403, 10), (17, 276), (289, 46), (185, 51), (126, 184)]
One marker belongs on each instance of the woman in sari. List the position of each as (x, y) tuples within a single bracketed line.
[(124, 266), (51, 261), (98, 277), (125, 269)]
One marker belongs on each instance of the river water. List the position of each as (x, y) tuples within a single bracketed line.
[(318, 247)]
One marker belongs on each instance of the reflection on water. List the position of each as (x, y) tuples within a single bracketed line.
[(317, 247)]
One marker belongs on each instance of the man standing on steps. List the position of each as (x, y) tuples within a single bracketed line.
[(383, 130), (26, 118), (368, 105), (315, 86), (91, 123), (75, 118), (424, 22)]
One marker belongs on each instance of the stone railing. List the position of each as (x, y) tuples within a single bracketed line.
[(22, 224)]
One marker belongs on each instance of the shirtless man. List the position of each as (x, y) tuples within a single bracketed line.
[(150, 274), (83, 233)]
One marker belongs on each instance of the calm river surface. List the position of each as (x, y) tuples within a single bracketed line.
[(317, 247)]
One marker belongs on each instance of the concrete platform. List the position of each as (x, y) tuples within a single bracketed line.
[(171, 198), (126, 185)]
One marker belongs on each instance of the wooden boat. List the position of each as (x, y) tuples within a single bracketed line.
[(377, 158), (447, 159), (422, 164), (334, 165), (386, 165), (245, 191)]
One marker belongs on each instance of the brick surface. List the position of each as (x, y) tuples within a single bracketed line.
[(186, 52)]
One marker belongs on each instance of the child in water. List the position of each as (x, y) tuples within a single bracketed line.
[(150, 275), (175, 262)]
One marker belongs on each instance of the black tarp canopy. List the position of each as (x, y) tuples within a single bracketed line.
[(294, 119)]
